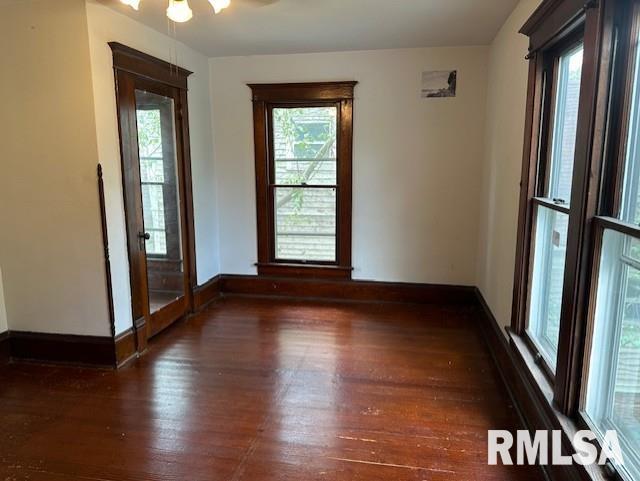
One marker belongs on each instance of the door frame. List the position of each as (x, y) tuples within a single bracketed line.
[(129, 66)]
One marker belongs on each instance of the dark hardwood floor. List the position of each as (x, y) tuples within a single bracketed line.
[(269, 389)]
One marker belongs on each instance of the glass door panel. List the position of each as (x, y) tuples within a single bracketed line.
[(162, 234)]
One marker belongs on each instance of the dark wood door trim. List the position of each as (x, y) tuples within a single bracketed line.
[(134, 69), (125, 87), (127, 59), (105, 245), (4, 347)]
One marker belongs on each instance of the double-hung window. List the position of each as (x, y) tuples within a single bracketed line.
[(303, 150), (576, 315), (612, 392), (305, 182), (552, 204)]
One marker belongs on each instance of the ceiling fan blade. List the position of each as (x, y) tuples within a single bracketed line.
[(258, 3)]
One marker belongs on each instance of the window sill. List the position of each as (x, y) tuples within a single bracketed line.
[(276, 269), (525, 355), (552, 417), (537, 351)]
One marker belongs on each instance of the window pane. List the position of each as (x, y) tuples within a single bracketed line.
[(565, 124), (613, 392), (158, 181), (304, 141), (548, 278), (154, 218), (305, 224), (149, 132), (631, 192), (157, 244), (150, 145), (161, 204)]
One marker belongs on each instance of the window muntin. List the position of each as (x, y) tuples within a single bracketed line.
[(305, 181), (613, 388), (565, 123), (550, 249)]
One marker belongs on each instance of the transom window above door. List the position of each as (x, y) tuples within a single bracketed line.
[(303, 167)]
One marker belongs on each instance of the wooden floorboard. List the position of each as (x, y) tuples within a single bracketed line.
[(257, 389)]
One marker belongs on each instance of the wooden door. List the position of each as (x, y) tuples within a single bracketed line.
[(157, 194)]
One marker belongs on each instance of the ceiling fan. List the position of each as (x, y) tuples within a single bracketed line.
[(179, 10)]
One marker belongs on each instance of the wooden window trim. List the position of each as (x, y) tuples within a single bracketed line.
[(598, 165), (613, 175), (537, 162), (551, 61), (265, 97), (554, 28), (609, 28), (613, 139), (553, 20)]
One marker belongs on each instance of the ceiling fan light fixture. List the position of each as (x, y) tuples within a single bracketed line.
[(179, 11), (219, 5), (132, 3)]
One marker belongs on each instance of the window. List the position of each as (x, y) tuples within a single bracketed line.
[(158, 174), (303, 178), (152, 179), (552, 207), (548, 279), (304, 155), (613, 388), (630, 208), (576, 309), (565, 122), (613, 383)]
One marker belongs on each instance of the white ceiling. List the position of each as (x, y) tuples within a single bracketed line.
[(255, 27)]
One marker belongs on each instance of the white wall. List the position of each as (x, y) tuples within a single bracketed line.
[(419, 212), (105, 25), (506, 101), (50, 239), (416, 161)]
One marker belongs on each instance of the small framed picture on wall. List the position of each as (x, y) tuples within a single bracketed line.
[(439, 83)]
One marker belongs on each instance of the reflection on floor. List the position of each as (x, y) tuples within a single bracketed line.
[(157, 300), (265, 390)]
